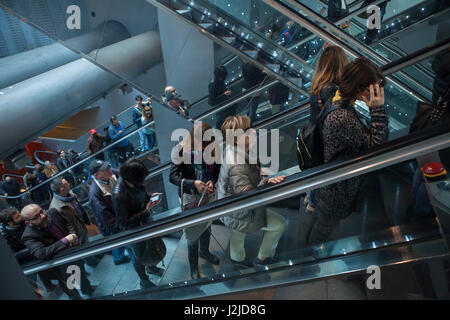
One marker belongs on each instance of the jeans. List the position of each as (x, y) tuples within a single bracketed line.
[(150, 139), (119, 253), (142, 140)]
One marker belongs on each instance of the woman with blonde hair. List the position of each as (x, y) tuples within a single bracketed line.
[(237, 176)]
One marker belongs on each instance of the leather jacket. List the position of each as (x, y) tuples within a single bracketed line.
[(127, 202)]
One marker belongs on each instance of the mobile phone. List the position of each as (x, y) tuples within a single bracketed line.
[(156, 198)]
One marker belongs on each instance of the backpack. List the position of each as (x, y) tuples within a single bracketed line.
[(309, 140)]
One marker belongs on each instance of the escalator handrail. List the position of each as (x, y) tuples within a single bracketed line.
[(225, 105), (92, 156), (257, 89), (416, 56), (226, 45), (382, 156), (257, 34), (42, 151), (388, 69), (313, 27), (342, 20)]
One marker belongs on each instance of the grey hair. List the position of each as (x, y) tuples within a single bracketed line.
[(56, 184)]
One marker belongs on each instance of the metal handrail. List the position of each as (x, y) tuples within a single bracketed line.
[(92, 156), (333, 39), (342, 20), (226, 45), (388, 69), (42, 151), (292, 186), (354, 4), (11, 175), (243, 96)]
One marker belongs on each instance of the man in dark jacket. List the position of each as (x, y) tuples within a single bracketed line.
[(218, 91), (95, 143), (46, 235), (11, 228), (12, 188), (68, 206), (103, 180), (337, 9)]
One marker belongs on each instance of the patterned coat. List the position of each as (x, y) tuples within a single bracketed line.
[(344, 135)]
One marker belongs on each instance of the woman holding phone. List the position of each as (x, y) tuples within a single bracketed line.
[(132, 206), (344, 135)]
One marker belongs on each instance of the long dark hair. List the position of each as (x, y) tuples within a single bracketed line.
[(134, 171), (357, 76)]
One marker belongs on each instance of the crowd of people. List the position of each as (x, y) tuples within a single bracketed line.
[(120, 199)]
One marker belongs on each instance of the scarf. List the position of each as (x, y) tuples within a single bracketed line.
[(64, 199), (106, 187), (338, 97)]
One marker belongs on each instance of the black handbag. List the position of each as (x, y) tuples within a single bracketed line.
[(150, 252)]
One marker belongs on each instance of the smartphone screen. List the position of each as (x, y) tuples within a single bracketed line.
[(156, 198)]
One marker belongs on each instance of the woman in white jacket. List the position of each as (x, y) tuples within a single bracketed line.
[(238, 175)]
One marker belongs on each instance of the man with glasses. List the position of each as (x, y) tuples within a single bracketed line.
[(47, 234)]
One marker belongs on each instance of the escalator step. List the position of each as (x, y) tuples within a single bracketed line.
[(230, 40), (206, 26), (185, 13), (297, 81), (274, 67), (251, 53)]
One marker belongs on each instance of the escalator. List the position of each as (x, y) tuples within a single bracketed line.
[(287, 119), (379, 232)]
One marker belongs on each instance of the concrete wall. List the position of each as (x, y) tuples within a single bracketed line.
[(188, 57)]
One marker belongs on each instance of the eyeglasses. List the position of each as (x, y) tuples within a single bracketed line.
[(36, 216)]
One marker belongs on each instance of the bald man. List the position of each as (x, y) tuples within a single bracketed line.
[(173, 100), (48, 233)]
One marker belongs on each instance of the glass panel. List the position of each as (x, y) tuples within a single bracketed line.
[(413, 16), (374, 213)]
